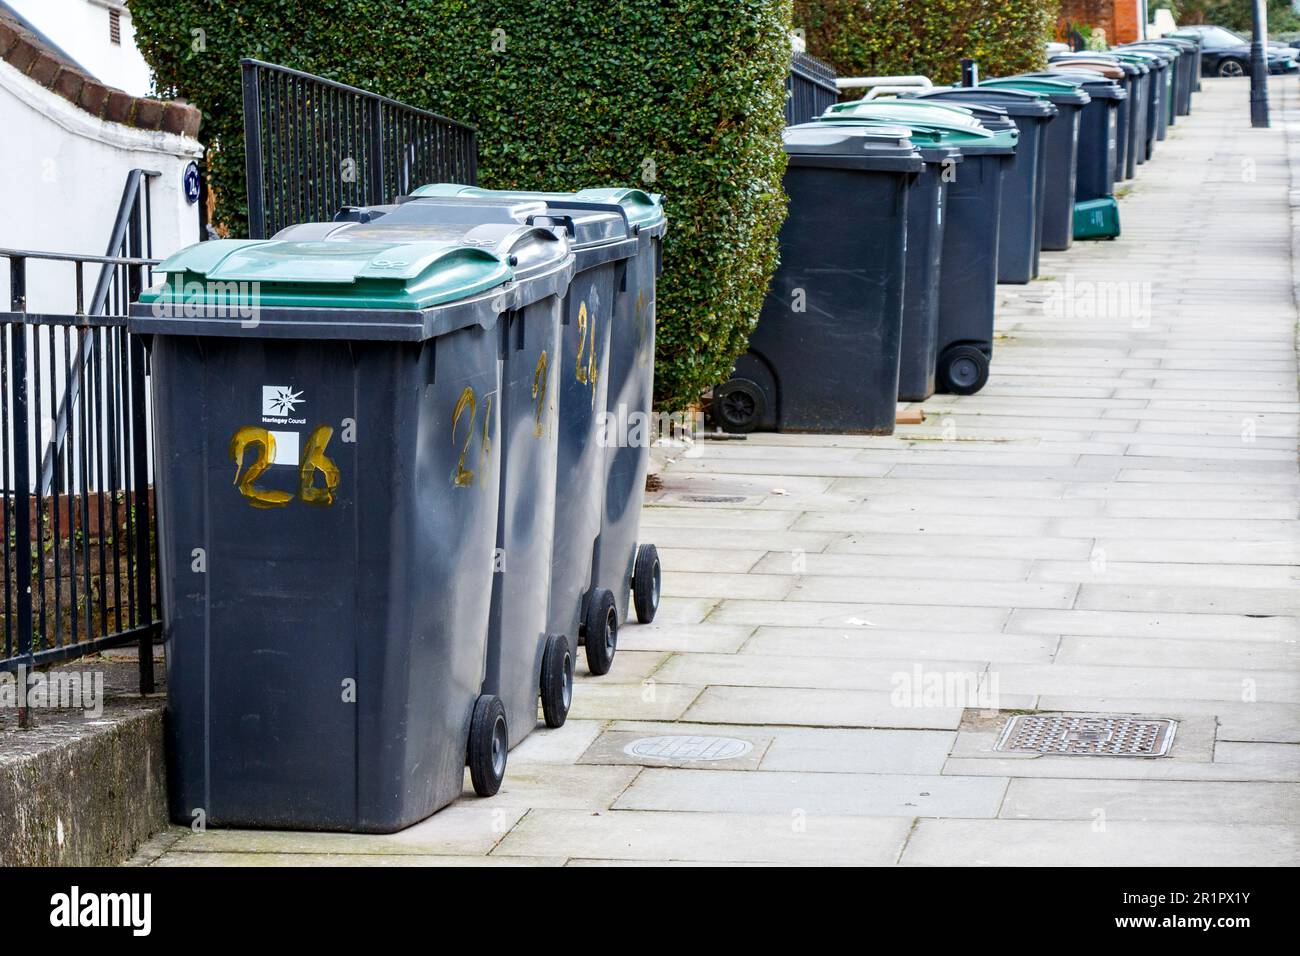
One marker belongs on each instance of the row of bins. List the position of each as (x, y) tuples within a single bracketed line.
[(391, 502), (906, 211)]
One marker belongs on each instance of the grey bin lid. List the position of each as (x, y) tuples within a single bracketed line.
[(1130, 69), (438, 217), (886, 148), (1011, 102), (529, 249)]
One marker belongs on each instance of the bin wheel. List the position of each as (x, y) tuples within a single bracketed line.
[(738, 406), (963, 370), (646, 578), (489, 741), (557, 680), (601, 631)]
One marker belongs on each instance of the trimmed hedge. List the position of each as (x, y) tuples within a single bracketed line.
[(681, 97), (887, 37)]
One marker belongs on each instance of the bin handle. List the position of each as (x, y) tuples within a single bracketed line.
[(590, 206)]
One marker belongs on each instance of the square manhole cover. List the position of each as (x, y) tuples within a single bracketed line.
[(1102, 735)]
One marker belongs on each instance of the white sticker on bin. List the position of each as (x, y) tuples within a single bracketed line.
[(286, 448)]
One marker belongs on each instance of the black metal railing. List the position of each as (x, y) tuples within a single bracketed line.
[(77, 517), (809, 89), (313, 145)]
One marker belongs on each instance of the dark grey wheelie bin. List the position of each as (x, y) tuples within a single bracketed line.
[(621, 564), (328, 429), (1021, 229), (926, 205), (609, 225), (824, 355), (1185, 72), (969, 263), (1139, 109), (919, 342), (1062, 156), (1127, 74), (1162, 89), (524, 658), (1098, 133)]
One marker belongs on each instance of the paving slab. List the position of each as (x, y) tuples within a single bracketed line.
[(807, 838), (1080, 843), (846, 794), (1159, 800)]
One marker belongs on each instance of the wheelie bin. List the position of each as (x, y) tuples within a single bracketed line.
[(968, 268), (605, 399), (1174, 77), (525, 652), (918, 353), (1096, 213), (1098, 132), (329, 423), (1186, 70), (1197, 50), (1127, 75), (1023, 183), (824, 356), (1162, 90), (1139, 109), (1062, 152)]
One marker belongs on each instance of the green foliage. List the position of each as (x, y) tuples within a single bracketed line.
[(886, 37), (682, 97)]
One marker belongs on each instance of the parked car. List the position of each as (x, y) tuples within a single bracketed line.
[(1225, 53)]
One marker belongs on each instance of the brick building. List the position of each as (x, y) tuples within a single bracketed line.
[(1121, 19)]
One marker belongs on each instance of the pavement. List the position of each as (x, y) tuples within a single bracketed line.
[(1109, 527)]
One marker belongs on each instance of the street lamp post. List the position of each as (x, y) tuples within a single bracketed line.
[(1259, 64)]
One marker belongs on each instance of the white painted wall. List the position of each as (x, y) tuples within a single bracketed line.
[(61, 177), (80, 28), (63, 173)]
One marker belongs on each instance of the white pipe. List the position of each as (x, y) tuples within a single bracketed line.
[(876, 91), (863, 82)]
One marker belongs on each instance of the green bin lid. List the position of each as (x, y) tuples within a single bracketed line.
[(1137, 59), (642, 208), (1060, 91), (356, 275)]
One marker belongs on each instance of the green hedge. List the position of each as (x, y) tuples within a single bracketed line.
[(584, 93), (887, 37)]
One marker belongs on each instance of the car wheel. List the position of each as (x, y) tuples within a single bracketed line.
[(1232, 68)]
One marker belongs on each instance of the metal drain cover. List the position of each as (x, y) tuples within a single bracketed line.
[(713, 499), (1103, 735), (685, 749)]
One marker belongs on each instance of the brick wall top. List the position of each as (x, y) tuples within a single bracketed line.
[(26, 53)]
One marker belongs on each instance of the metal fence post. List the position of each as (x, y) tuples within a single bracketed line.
[(375, 154), (253, 151), (21, 490)]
